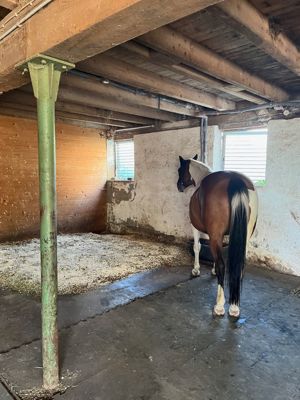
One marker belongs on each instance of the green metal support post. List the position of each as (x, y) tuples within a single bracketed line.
[(45, 75)]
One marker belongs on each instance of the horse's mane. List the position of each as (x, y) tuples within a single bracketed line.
[(200, 164)]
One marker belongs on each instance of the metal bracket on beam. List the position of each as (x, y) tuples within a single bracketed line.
[(45, 75)]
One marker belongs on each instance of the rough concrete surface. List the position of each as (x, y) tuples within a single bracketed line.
[(167, 346)]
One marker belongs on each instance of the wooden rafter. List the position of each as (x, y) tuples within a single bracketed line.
[(86, 28), (121, 71), (154, 57), (18, 99), (9, 4), (187, 51), (245, 18), (128, 97)]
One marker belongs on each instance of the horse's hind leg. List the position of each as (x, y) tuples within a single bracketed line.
[(197, 247), (216, 250)]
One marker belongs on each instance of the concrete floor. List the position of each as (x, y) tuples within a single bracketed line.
[(164, 345)]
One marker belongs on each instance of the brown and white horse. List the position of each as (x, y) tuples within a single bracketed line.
[(224, 203)]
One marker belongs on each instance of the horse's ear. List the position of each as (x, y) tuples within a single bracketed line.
[(196, 156), (180, 159)]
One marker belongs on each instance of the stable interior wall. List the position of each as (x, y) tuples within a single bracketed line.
[(81, 179), (276, 241), (152, 204)]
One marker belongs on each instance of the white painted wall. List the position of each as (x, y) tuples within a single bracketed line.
[(155, 203), (277, 238)]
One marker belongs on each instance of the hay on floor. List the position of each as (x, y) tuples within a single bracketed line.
[(85, 261)]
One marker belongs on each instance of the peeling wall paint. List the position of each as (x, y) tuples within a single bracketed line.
[(152, 203), (276, 242)]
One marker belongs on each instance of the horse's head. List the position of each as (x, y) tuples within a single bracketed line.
[(185, 179)]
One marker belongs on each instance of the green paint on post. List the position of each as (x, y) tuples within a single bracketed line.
[(45, 76)]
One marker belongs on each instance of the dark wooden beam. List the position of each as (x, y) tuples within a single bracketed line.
[(189, 52), (160, 59), (18, 97), (85, 28), (244, 17), (160, 127), (91, 98), (9, 4), (124, 72), (127, 96)]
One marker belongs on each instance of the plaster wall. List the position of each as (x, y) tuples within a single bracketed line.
[(276, 242), (152, 202)]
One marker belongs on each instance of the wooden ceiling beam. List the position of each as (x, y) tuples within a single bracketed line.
[(9, 4), (245, 18), (156, 58), (128, 97), (26, 111), (91, 97), (187, 51), (129, 74), (72, 113), (86, 28), (18, 97)]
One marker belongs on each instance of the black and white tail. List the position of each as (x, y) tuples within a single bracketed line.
[(239, 204)]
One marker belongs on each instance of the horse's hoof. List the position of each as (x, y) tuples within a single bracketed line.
[(234, 312), (195, 272), (213, 272), (218, 311)]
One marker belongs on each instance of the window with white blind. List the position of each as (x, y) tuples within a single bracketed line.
[(124, 152), (246, 152)]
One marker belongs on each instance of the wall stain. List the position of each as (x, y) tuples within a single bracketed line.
[(295, 217)]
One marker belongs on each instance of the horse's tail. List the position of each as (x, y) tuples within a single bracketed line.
[(239, 205)]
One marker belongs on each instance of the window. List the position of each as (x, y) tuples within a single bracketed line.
[(246, 152), (124, 153)]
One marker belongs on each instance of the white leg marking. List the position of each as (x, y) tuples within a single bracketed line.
[(219, 307), (213, 271), (234, 310), (197, 247)]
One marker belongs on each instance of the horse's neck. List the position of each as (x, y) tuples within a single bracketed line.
[(198, 171)]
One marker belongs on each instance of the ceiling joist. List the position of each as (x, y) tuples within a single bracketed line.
[(9, 4), (129, 97), (86, 28), (156, 58), (129, 74), (187, 51), (245, 18), (20, 99)]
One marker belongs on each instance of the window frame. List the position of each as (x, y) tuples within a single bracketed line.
[(116, 178), (246, 131)]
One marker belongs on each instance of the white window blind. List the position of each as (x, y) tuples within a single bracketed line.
[(246, 152), (124, 150)]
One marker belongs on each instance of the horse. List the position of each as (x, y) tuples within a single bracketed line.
[(223, 203)]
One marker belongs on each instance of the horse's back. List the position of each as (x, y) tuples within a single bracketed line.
[(210, 206)]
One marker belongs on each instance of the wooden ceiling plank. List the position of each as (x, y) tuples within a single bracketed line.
[(244, 17), (158, 59), (17, 98), (127, 96), (187, 51), (9, 4), (129, 74), (86, 28)]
